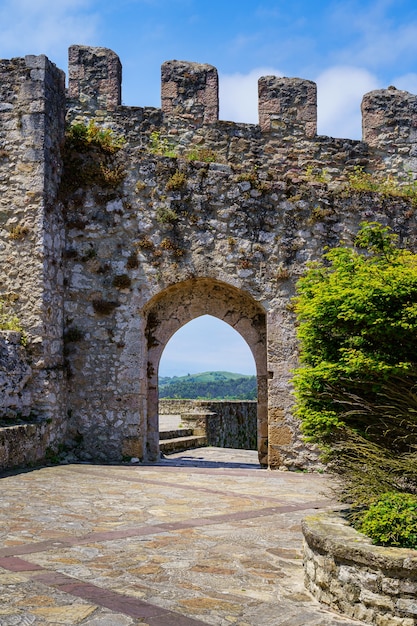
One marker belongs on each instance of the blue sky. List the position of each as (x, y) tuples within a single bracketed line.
[(348, 47)]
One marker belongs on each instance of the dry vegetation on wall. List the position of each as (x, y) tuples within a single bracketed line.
[(91, 157)]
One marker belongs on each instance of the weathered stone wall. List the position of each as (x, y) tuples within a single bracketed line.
[(26, 444), (192, 216), (15, 373), (346, 572), (32, 117)]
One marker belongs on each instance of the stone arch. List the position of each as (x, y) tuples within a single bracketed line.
[(177, 305)]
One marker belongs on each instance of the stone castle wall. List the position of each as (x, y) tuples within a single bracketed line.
[(191, 216)]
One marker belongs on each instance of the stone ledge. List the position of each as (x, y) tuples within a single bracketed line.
[(346, 572), (24, 444)]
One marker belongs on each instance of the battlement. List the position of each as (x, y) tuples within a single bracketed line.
[(287, 106)]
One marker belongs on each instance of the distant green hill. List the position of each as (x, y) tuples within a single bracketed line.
[(209, 386)]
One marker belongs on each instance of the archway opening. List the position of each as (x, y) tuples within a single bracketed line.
[(206, 343), (207, 363), (179, 304)]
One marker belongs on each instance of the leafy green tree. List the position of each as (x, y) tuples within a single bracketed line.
[(356, 387)]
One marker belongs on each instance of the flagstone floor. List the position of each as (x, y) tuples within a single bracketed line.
[(204, 537)]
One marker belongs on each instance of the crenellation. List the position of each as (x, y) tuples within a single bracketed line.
[(191, 91), (95, 78), (288, 107), (389, 126)]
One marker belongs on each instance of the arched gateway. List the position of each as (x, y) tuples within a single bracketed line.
[(177, 305), (120, 224)]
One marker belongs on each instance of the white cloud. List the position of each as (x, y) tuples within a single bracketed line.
[(407, 82), (45, 27), (239, 94), (339, 94)]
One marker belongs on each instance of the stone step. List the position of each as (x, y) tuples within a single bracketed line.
[(178, 444), (173, 434)]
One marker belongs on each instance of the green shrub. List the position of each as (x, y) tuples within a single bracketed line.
[(161, 146), (392, 520), (82, 136), (356, 386)]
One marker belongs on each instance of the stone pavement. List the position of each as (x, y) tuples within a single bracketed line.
[(204, 537)]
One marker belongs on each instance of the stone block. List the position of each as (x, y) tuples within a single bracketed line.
[(132, 447), (377, 600), (280, 435), (407, 606)]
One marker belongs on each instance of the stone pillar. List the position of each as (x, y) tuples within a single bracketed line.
[(287, 106), (95, 77), (389, 124), (190, 90)]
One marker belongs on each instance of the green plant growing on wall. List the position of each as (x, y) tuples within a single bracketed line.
[(84, 136), (205, 155), (172, 246), (253, 178), (316, 174), (388, 186), (10, 321), (356, 386), (90, 157), (19, 232), (166, 215), (145, 243), (160, 145), (140, 186)]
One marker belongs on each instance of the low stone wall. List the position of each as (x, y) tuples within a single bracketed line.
[(25, 444), (167, 406), (345, 571), (226, 424)]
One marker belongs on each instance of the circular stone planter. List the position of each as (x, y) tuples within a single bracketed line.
[(345, 571)]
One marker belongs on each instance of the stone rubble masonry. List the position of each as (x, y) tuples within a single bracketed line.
[(105, 256), (190, 90), (95, 77), (15, 372), (32, 122), (343, 570), (285, 102)]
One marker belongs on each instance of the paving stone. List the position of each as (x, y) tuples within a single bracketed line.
[(215, 541)]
